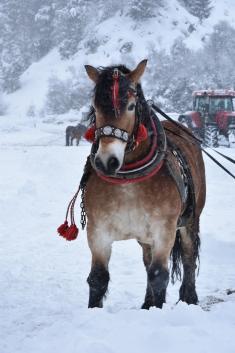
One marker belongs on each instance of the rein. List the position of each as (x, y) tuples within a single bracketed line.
[(196, 139)]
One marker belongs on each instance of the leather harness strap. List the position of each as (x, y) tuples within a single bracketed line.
[(178, 169), (145, 168)]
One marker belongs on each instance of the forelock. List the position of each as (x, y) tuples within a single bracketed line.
[(103, 90)]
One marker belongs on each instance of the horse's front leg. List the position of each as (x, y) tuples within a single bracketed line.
[(98, 278), (147, 258), (158, 272)]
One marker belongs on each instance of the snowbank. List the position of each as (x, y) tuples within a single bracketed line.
[(43, 278)]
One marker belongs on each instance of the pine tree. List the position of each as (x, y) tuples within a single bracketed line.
[(70, 23), (43, 29), (143, 9), (199, 8), (18, 39)]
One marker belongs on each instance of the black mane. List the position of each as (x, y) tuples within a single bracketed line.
[(103, 93)]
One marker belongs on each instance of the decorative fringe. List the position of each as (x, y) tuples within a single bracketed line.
[(71, 232), (115, 93), (90, 134), (142, 134), (64, 230)]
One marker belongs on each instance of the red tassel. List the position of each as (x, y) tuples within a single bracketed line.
[(63, 229), (142, 134), (90, 134), (71, 233)]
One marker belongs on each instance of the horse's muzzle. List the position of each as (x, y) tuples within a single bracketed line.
[(110, 167)]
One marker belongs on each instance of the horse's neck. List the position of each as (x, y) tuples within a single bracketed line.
[(139, 152)]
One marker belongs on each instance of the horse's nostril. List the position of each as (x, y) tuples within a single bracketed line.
[(113, 164), (99, 164)]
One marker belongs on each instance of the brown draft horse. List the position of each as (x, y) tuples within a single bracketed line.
[(74, 132), (149, 210)]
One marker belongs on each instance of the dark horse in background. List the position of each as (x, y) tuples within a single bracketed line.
[(74, 132), (161, 208)]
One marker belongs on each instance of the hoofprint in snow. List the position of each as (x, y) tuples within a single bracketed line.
[(44, 293)]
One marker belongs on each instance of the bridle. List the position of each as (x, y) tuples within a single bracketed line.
[(153, 160), (112, 131)]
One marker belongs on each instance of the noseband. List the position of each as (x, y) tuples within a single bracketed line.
[(112, 131)]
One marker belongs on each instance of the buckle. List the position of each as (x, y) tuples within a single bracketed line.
[(115, 73)]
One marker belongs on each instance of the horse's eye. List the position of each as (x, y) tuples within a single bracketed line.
[(131, 106)]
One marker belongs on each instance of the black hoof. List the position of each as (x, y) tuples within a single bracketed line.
[(98, 280), (147, 306), (158, 279), (188, 295)]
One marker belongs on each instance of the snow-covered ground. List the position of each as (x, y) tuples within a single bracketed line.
[(43, 287)]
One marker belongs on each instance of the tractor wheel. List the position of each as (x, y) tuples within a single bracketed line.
[(198, 132), (231, 136), (211, 135)]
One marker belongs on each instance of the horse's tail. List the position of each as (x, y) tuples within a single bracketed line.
[(176, 258), (177, 251), (67, 135)]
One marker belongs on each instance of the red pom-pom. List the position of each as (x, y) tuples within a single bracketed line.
[(71, 233), (142, 134), (63, 229), (90, 134)]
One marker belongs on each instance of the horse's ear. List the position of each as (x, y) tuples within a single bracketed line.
[(92, 72), (136, 74)]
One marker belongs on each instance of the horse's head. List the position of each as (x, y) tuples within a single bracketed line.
[(115, 104)]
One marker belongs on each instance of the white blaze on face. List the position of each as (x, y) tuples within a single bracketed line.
[(112, 149)]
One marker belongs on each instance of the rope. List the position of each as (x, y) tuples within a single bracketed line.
[(218, 163), (207, 153), (199, 141)]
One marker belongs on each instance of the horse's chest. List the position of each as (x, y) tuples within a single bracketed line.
[(128, 216), (130, 223)]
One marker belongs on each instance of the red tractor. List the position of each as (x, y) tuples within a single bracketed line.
[(213, 117)]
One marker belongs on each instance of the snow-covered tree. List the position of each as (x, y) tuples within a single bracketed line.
[(70, 23), (198, 8), (3, 106), (43, 23), (143, 9)]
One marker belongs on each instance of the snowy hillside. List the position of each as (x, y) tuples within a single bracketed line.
[(43, 278), (117, 39)]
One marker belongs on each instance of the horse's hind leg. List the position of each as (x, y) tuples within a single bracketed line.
[(190, 243), (98, 278), (147, 258)]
